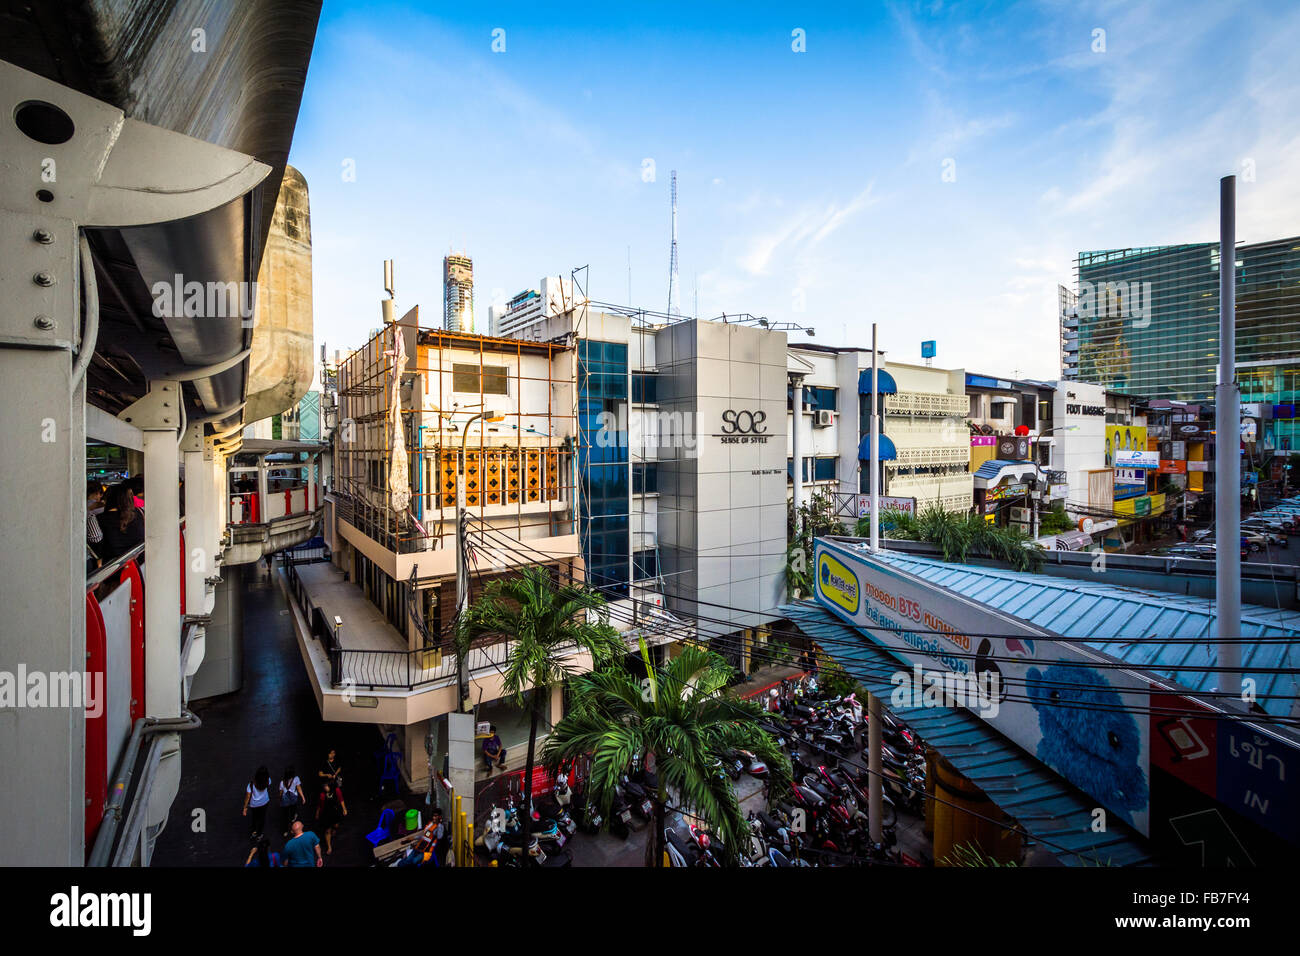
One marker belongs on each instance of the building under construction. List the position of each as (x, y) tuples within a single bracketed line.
[(412, 402)]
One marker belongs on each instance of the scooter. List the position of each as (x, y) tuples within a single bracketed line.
[(704, 842), (620, 815), (753, 765), (638, 799), (680, 852)]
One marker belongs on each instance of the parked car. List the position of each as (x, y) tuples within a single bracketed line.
[(1260, 537), (1185, 551), (1272, 533)]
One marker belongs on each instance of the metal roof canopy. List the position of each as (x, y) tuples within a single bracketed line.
[(271, 446), (1044, 803), (1121, 621)]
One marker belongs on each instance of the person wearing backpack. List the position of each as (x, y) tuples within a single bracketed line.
[(291, 798)]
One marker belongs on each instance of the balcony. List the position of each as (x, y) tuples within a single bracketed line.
[(954, 492), (364, 671), (927, 403)]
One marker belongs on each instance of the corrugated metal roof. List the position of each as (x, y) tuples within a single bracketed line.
[(1046, 805), (1110, 618), (990, 468)]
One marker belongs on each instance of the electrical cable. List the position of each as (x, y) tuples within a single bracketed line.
[(1262, 718)]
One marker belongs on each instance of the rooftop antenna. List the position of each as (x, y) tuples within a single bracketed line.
[(673, 308), (386, 305)]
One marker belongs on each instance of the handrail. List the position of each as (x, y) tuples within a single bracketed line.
[(144, 727), (116, 565)]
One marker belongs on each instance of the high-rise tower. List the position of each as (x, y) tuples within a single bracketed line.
[(673, 308), (457, 293)]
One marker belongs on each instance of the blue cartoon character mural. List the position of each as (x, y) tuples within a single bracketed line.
[(1088, 737)]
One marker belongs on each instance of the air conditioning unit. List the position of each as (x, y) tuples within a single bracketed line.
[(823, 418), (1023, 515)]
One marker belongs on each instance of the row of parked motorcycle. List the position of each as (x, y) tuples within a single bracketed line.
[(820, 820), (559, 815), (825, 820)]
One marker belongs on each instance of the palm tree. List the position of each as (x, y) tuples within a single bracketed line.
[(957, 535), (549, 626), (676, 714)]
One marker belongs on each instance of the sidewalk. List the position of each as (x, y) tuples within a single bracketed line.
[(273, 720)]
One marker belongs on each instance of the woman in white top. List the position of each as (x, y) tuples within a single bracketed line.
[(257, 795), (291, 797)]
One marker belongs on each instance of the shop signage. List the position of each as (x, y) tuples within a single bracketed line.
[(743, 427), (1132, 458), (1040, 680), (1198, 466), (1012, 448), (1168, 467), (983, 440), (887, 503), (1075, 409), (1002, 492), (1191, 430)]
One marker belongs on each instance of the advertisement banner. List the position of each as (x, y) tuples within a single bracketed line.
[(1042, 692), (1002, 492), (1130, 458), (1122, 439)]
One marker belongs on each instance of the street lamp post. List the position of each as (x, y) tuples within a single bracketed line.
[(462, 569), (1033, 520)]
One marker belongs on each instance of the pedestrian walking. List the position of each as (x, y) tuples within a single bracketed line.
[(257, 796), (291, 798), (331, 770), (330, 811)]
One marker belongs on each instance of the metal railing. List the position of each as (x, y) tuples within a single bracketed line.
[(379, 669)]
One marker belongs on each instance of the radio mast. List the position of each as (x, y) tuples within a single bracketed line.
[(673, 308)]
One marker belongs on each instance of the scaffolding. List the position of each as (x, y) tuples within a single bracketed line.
[(520, 469)]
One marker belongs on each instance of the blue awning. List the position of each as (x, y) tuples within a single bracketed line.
[(887, 384), (1044, 803), (887, 450)]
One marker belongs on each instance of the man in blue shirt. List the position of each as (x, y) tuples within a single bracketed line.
[(492, 751), (303, 849)]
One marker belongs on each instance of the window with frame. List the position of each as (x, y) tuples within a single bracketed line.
[(495, 379)]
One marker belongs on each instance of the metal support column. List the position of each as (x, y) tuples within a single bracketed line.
[(1227, 450)]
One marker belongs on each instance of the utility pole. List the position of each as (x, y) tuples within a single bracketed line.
[(796, 419), (874, 487), (875, 786), (1227, 466), (462, 569)]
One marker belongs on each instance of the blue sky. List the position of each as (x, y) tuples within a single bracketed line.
[(811, 183)]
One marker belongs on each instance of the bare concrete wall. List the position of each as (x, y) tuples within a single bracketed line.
[(281, 365)]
